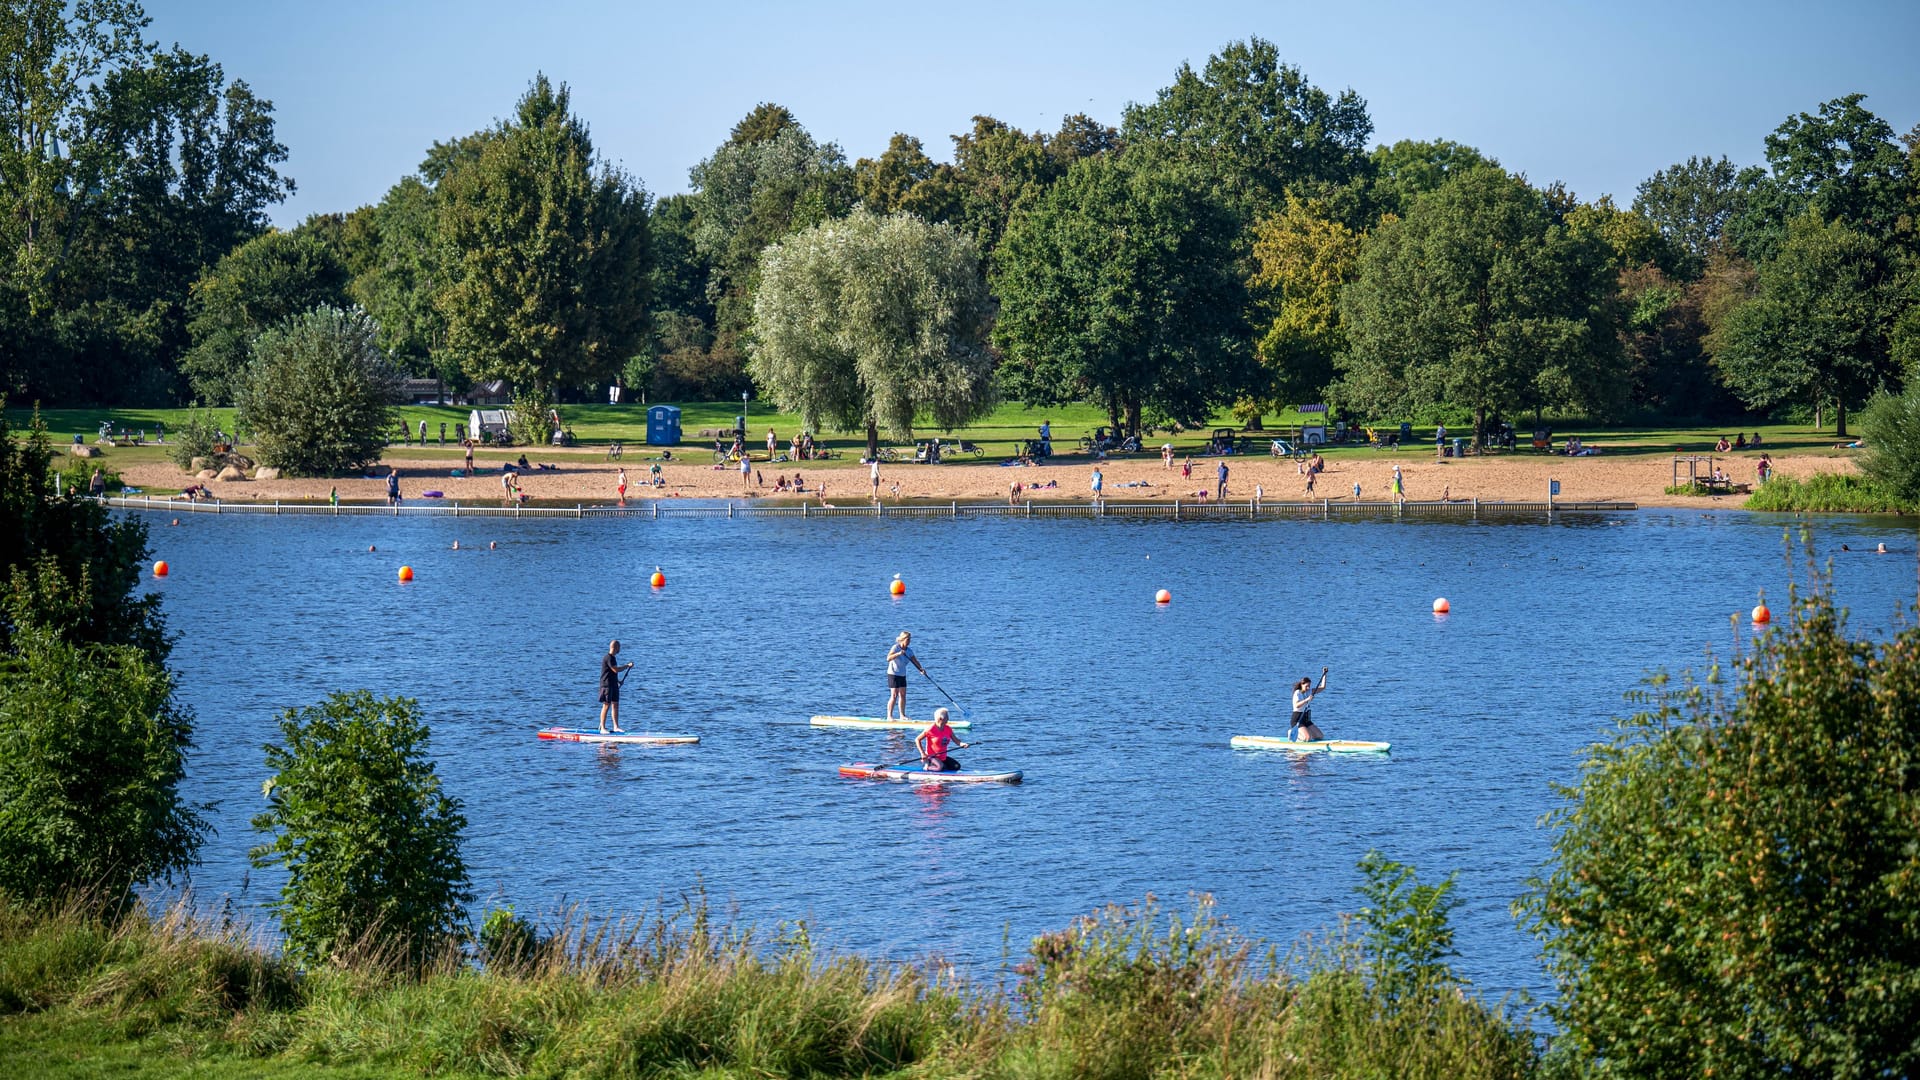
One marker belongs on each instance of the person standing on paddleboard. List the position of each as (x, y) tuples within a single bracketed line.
[(1302, 728), (610, 673), (933, 742), (898, 658)]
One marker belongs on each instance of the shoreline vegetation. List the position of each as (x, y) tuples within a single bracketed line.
[(1126, 992), (1633, 465)]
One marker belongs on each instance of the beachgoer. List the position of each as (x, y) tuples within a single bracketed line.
[(653, 474), (1013, 493), (610, 672), (1356, 492), (1399, 486), (746, 472), (1309, 481), (1881, 550), (1097, 481), (1260, 492), (898, 658), (468, 443), (443, 433), (622, 487), (1723, 445), (1754, 443), (773, 444), (934, 742), (333, 497), (873, 477), (423, 433), (1166, 455), (1301, 728), (1739, 440), (1186, 468), (393, 487), (1440, 440), (97, 486), (1220, 481)]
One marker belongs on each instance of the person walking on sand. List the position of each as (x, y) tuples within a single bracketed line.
[(1186, 468), (746, 474), (1399, 486), (1166, 455), (612, 674), (393, 487), (468, 443), (898, 658), (873, 477), (933, 743), (1220, 481), (333, 497), (1301, 728), (772, 444), (1098, 480), (622, 487)]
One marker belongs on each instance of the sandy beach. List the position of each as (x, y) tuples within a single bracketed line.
[(584, 475)]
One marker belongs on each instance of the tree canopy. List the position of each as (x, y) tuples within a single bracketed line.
[(869, 322), (1121, 285)]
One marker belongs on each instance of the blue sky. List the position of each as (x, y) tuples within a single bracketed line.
[(1595, 95)]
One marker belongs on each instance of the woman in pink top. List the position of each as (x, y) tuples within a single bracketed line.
[(933, 744)]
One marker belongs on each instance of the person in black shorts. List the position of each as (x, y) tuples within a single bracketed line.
[(898, 658), (610, 671)]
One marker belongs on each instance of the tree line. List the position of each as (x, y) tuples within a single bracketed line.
[(1231, 243)]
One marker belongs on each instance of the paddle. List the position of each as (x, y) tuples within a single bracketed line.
[(965, 713), (917, 757)]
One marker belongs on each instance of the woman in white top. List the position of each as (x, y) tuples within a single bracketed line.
[(898, 658), (1302, 728)]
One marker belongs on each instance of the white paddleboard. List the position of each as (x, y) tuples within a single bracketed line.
[(594, 735), (880, 724), (1333, 746)]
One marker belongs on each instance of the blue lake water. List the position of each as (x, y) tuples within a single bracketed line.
[(1118, 711)]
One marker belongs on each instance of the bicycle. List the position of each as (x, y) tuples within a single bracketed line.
[(886, 453)]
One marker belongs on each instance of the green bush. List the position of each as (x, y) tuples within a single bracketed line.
[(76, 474), (318, 397), (67, 564), (194, 436), (531, 426), (1408, 936), (370, 843), (1735, 890), (92, 752), (1825, 493), (1891, 427)]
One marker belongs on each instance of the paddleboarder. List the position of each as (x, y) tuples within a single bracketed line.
[(933, 743), (1302, 727), (612, 673), (898, 658)]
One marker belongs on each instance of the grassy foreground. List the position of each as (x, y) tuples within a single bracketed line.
[(1126, 993)]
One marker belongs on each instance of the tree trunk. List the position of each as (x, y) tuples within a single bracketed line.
[(1113, 412), (1819, 415), (1840, 417), (873, 440), (1133, 416), (1480, 428)]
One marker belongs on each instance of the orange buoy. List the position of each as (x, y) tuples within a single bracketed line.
[(1441, 607), (1761, 616), (406, 573), (1163, 597), (160, 568), (659, 580), (898, 588)]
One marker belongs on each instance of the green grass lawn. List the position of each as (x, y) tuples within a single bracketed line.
[(1000, 435)]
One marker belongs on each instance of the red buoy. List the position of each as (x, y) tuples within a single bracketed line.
[(1761, 616), (1441, 607), (1163, 597), (898, 588), (406, 573), (658, 580), (160, 568)]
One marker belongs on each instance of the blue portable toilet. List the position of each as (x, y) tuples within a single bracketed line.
[(663, 425)]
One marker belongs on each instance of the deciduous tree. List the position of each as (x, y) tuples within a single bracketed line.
[(262, 282), (873, 322), (1303, 259), (318, 395), (1121, 285)]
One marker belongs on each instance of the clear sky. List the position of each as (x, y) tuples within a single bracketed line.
[(1597, 95)]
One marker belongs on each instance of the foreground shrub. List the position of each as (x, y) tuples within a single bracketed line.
[(195, 436), (318, 397), (370, 843), (1891, 427), (1735, 888), (92, 752)]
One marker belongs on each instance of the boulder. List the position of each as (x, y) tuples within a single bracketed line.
[(266, 472), (204, 474), (231, 472), (198, 464), (242, 460), (87, 451)]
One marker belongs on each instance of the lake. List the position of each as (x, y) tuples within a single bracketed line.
[(1118, 710)]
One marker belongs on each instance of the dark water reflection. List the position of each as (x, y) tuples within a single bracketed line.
[(1118, 711)]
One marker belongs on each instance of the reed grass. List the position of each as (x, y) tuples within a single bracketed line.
[(1125, 993)]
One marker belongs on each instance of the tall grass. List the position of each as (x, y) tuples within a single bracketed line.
[(1826, 493), (1126, 993)]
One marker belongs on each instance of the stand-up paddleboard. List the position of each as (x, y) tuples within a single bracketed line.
[(1334, 746), (919, 775), (880, 724), (594, 735)]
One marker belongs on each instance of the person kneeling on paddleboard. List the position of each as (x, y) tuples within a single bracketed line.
[(933, 744), (1302, 728), (898, 658)]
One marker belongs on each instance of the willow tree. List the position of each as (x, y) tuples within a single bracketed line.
[(869, 323)]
